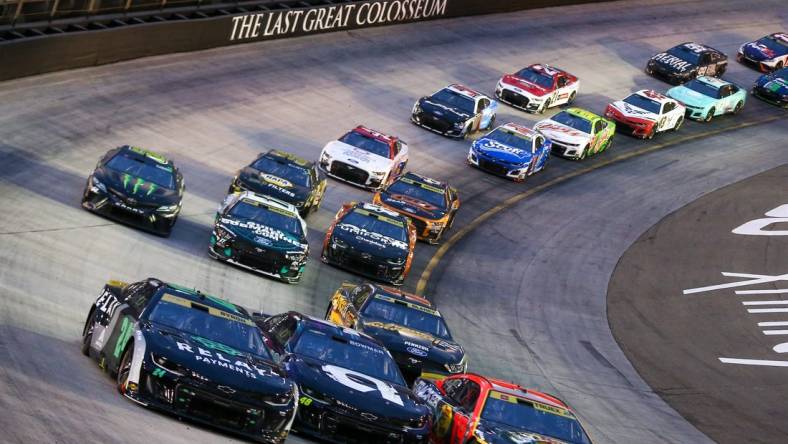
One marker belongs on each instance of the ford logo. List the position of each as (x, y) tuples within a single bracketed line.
[(417, 351)]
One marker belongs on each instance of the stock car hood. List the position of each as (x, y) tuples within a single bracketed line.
[(442, 111), (413, 206), (263, 235), (671, 63), (220, 364), (274, 186), (691, 97), (759, 53), (397, 338), (774, 83), (495, 433), (357, 157), (524, 86), (147, 193), (634, 112), (370, 242), (354, 393), (501, 151), (561, 133)]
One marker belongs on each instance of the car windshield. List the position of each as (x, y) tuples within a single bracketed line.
[(205, 321), (774, 44), (510, 138), (425, 193), (383, 225), (573, 121), (269, 216), (360, 355), (533, 417), (703, 88), (454, 100), (396, 311), (685, 53), (641, 102), (533, 76), (366, 143), (148, 171), (281, 168)]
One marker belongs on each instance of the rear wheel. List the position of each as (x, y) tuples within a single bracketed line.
[(737, 108), (678, 123), (87, 333), (709, 115)]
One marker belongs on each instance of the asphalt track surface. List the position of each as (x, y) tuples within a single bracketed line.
[(525, 291), (689, 341)]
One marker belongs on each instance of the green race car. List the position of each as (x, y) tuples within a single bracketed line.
[(577, 133)]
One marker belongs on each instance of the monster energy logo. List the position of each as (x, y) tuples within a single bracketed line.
[(136, 184)]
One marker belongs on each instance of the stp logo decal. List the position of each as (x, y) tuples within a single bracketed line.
[(270, 178)]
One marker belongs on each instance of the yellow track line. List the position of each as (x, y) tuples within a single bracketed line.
[(457, 236)]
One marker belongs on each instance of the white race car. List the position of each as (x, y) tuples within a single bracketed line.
[(647, 112), (537, 88), (365, 158)]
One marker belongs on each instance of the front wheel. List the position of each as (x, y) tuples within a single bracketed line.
[(125, 369), (709, 115), (492, 122), (571, 98), (544, 106)]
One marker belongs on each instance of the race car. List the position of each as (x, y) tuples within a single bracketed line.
[(407, 325), (191, 354), (512, 151), (706, 97), (646, 112), (766, 54), (686, 61), (431, 205), (261, 234), (537, 88), (576, 133), (473, 409), (773, 88), (455, 111), (351, 389), (283, 176), (136, 187), (371, 241), (365, 158)]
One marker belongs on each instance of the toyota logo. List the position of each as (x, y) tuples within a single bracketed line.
[(228, 390), (369, 416)]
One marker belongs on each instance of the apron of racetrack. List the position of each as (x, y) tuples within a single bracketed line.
[(541, 267)]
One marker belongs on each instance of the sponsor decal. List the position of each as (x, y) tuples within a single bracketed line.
[(373, 238), (416, 351), (629, 109), (561, 129), (406, 201), (263, 230), (492, 144), (220, 355), (332, 18), (363, 383), (672, 61)]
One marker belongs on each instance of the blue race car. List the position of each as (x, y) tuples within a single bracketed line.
[(773, 88), (769, 53), (706, 97), (511, 151)]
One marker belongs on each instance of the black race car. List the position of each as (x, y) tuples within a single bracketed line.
[(351, 389), (372, 241), (190, 354), (261, 234), (430, 205), (136, 187), (455, 111), (687, 61), (410, 328), (283, 176)]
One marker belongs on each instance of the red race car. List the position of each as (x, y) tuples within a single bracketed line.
[(537, 87), (473, 409)]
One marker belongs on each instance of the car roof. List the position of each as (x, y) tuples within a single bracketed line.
[(333, 329), (423, 180), (782, 36), (509, 388), (465, 91), (195, 295), (588, 115), (713, 81), (377, 135), (549, 70), (145, 155), (380, 210), (289, 158), (653, 95), (525, 131), (398, 294), (269, 201), (696, 47)]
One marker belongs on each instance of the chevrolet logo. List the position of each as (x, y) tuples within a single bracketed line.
[(228, 390), (131, 201), (369, 416)]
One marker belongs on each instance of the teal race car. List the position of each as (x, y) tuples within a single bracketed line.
[(706, 97)]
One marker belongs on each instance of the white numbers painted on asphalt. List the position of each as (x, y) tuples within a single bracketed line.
[(757, 227)]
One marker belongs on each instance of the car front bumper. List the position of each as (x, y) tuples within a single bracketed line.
[(113, 207), (260, 260)]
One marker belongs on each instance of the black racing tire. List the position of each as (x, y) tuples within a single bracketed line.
[(608, 144), (491, 124), (572, 98), (584, 154), (328, 310), (544, 107), (678, 123), (450, 223), (738, 107), (124, 369), (778, 66), (87, 332), (709, 115)]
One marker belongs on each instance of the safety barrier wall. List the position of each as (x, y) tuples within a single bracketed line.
[(47, 53)]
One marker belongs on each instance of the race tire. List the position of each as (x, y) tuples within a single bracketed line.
[(738, 107), (491, 124), (584, 154), (328, 311), (709, 115), (678, 123), (87, 333), (544, 107), (124, 369), (450, 223), (778, 66), (608, 144), (571, 97)]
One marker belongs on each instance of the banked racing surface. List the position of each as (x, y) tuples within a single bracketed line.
[(212, 112)]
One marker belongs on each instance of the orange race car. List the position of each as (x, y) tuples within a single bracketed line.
[(431, 205)]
